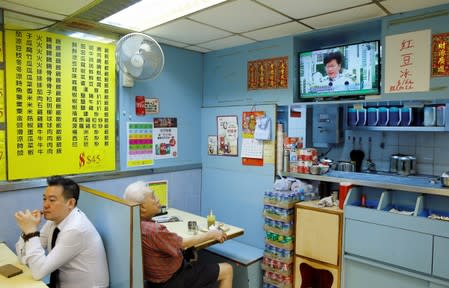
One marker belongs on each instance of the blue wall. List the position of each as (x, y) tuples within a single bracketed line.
[(179, 89)]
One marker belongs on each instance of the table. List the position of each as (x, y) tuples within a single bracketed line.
[(181, 228), (23, 280)]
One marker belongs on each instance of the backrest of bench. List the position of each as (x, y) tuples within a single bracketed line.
[(118, 223)]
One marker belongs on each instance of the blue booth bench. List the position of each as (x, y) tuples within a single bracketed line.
[(245, 259)]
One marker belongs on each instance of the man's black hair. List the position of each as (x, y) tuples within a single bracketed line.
[(333, 55), (70, 188)]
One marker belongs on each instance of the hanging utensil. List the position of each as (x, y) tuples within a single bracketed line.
[(371, 164), (359, 155), (352, 154)]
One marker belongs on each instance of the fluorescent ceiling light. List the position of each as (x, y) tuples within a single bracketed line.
[(150, 13), (90, 37)]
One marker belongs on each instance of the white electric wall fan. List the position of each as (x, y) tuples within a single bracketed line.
[(139, 57)]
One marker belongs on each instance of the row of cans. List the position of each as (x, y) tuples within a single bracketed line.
[(277, 265), (282, 197), (277, 211), (280, 225), (279, 238), (278, 253), (279, 278)]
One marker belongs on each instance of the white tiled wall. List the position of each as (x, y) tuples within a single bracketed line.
[(431, 149)]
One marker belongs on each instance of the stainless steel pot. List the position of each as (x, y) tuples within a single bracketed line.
[(445, 179), (394, 162), (404, 165), (412, 165), (345, 166)]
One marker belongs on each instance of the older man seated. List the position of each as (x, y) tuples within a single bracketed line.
[(163, 261)]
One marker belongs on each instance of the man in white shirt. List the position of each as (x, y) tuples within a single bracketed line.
[(76, 257)]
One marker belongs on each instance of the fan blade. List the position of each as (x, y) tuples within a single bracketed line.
[(131, 44), (134, 71)]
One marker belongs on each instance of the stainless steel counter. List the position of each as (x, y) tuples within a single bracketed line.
[(418, 184)]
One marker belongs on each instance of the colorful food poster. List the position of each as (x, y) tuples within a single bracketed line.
[(440, 55), (61, 105), (165, 137), (227, 133), (140, 144), (407, 62)]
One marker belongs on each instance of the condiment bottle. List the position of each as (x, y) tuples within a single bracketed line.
[(363, 201), (210, 219)]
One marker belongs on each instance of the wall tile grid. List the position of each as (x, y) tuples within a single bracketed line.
[(429, 148)]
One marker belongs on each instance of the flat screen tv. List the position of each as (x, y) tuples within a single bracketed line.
[(342, 71)]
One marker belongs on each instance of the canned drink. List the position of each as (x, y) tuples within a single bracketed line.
[(140, 105)]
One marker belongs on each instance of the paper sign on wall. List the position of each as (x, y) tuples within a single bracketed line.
[(407, 62)]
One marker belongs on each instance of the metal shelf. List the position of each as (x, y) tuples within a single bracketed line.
[(400, 128)]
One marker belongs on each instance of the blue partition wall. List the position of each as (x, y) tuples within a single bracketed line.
[(118, 223)]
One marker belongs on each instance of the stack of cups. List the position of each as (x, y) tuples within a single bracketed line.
[(344, 189)]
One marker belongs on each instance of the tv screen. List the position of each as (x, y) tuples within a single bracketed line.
[(343, 71)]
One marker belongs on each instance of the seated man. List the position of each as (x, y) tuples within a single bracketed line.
[(76, 256), (163, 261)]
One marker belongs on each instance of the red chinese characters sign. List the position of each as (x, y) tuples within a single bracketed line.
[(268, 73), (406, 57), (440, 54)]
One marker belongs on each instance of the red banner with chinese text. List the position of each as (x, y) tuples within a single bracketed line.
[(440, 55)]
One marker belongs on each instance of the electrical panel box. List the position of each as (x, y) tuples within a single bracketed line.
[(327, 125)]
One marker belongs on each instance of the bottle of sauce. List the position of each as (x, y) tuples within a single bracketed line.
[(210, 219), (363, 201)]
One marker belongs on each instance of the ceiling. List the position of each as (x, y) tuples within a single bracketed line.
[(231, 23)]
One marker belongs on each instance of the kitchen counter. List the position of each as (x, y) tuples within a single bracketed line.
[(418, 184)]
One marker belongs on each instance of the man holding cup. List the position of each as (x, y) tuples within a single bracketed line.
[(162, 250)]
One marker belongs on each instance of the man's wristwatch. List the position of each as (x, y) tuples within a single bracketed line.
[(28, 236)]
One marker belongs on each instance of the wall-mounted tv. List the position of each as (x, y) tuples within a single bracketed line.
[(342, 71)]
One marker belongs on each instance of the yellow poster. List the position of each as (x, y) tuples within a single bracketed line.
[(2, 83), (2, 156), (1, 46), (160, 189), (61, 105), (2, 96)]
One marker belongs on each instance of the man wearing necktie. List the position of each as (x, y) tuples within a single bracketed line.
[(76, 256)]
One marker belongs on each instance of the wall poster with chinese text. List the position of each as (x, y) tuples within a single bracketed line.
[(2, 156), (165, 137), (227, 134), (269, 73), (2, 82), (61, 105), (440, 55), (140, 144), (407, 62)]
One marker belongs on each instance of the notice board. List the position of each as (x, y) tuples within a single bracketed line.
[(60, 99)]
